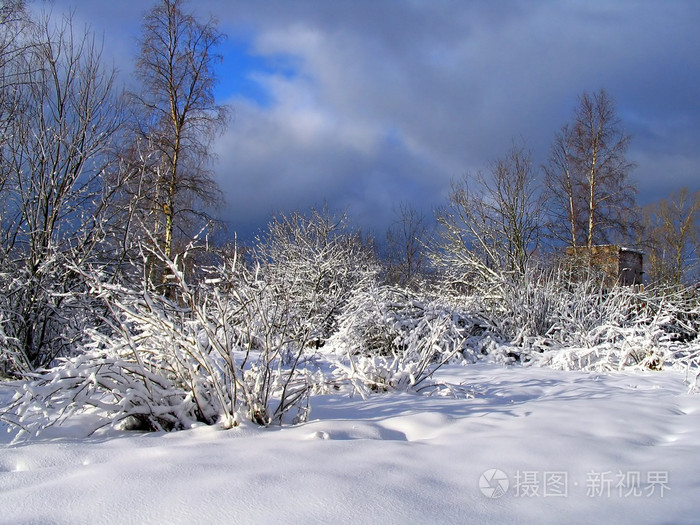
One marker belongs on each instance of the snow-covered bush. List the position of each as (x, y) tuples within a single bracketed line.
[(239, 344), (388, 339), (572, 320), (566, 323), (224, 351), (11, 359), (274, 345), (622, 312), (108, 388), (314, 263), (44, 313), (523, 309)]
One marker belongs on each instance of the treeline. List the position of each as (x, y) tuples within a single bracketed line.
[(514, 215)]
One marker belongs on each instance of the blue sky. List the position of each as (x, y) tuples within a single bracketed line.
[(240, 58), (366, 104), (237, 75)]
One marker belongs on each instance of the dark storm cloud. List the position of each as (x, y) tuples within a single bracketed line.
[(378, 102)]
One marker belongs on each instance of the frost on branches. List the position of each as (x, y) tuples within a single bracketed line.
[(222, 352), (253, 342), (552, 320), (390, 340)]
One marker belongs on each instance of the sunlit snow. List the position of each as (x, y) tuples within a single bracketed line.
[(529, 445)]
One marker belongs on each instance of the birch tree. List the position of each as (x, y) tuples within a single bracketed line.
[(591, 200), (673, 236), (176, 120)]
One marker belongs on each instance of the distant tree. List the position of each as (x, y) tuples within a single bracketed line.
[(406, 247), (590, 198), (673, 236), (492, 228), (176, 119)]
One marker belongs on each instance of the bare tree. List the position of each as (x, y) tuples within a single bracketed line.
[(14, 25), (176, 120), (590, 198), (673, 236), (494, 230), (565, 202), (406, 247), (54, 158), (58, 151), (13, 22)]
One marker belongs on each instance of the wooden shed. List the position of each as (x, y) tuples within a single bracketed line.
[(618, 265)]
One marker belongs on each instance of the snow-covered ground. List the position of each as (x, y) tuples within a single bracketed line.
[(567, 447)]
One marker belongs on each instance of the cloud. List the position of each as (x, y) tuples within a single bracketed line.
[(363, 104)]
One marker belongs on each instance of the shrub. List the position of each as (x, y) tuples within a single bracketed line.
[(390, 340)]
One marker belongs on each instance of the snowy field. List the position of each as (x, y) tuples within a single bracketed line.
[(566, 447)]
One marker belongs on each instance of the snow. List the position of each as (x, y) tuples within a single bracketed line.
[(575, 447)]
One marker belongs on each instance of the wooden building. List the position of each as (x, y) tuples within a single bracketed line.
[(617, 264)]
